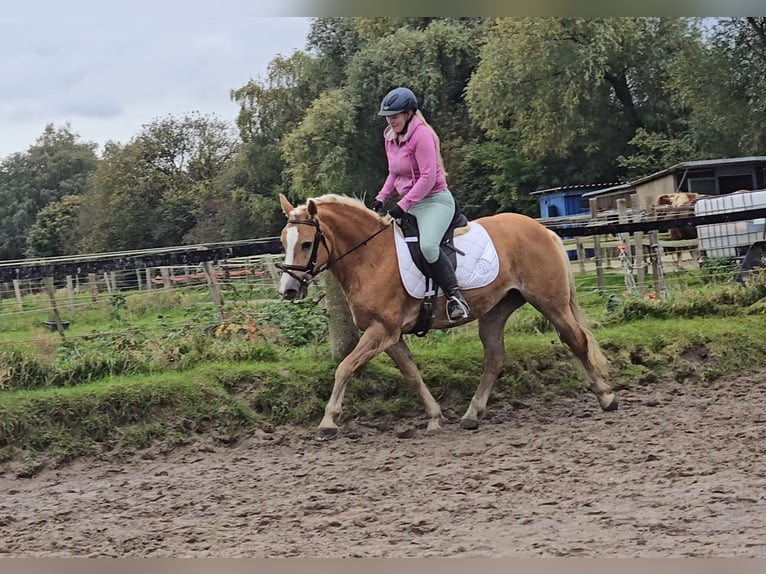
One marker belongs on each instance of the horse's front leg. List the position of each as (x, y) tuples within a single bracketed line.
[(401, 355), (374, 341)]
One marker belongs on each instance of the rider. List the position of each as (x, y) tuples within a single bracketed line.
[(416, 174)]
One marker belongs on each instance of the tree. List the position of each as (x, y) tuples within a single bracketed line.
[(316, 152), (269, 110), (574, 87), (652, 152), (58, 164), (147, 193), (494, 176), (722, 83), (54, 231), (343, 333)]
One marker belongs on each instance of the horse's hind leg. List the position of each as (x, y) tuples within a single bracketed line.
[(401, 355), (491, 329), (570, 323)]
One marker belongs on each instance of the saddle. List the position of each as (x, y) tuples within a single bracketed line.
[(409, 227)]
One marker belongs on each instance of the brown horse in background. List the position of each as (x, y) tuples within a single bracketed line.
[(357, 246), (679, 205)]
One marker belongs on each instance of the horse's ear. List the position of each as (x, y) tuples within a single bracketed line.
[(312, 208), (286, 206)]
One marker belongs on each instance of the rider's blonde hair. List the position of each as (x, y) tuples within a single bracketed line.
[(422, 119)]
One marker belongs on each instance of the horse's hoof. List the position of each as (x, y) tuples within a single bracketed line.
[(469, 424), (612, 406), (327, 434)]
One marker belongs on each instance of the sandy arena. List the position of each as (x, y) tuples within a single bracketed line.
[(679, 470)]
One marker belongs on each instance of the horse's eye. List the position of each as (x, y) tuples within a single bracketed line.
[(306, 245)]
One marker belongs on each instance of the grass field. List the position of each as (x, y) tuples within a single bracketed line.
[(137, 369)]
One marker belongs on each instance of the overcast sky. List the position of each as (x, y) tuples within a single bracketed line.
[(109, 66)]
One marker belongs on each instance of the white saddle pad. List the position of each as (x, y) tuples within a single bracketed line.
[(477, 268)]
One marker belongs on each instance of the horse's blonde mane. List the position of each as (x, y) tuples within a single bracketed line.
[(334, 198)]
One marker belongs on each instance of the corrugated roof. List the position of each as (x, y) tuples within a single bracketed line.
[(608, 190), (702, 163), (599, 189), (573, 187)]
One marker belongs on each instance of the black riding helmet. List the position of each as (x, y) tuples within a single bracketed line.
[(397, 101)]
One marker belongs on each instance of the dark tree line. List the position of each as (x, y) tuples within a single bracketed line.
[(520, 104)]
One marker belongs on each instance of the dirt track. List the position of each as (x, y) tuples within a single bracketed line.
[(679, 470)]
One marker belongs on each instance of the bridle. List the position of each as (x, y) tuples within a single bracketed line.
[(310, 269)]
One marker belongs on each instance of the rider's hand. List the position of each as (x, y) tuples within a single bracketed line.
[(396, 212), (378, 206)]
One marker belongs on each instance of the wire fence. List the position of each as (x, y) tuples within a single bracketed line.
[(649, 263)]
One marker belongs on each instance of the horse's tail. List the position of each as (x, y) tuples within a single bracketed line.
[(595, 355)]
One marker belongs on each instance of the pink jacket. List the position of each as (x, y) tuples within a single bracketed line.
[(413, 166)]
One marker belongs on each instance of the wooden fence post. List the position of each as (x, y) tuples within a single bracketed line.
[(638, 238), (70, 292), (597, 253), (149, 279), (657, 270), (165, 272), (272, 269), (93, 287), (48, 281), (19, 298), (214, 287), (626, 249), (580, 255)]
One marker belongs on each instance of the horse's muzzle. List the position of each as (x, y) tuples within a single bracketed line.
[(291, 288), (295, 294)]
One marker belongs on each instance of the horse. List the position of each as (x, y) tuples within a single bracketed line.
[(680, 204), (342, 235)]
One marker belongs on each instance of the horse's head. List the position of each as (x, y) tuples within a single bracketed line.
[(306, 251)]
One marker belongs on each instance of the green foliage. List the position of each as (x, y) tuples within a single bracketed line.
[(722, 83), (57, 165), (552, 101), (118, 303), (299, 322), (435, 58), (571, 86), (147, 193), (719, 269), (316, 156), (653, 152), (494, 176), (54, 231), (270, 364), (23, 370), (722, 300), (67, 422)]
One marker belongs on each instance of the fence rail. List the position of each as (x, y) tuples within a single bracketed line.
[(630, 239)]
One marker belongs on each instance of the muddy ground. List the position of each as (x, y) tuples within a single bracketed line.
[(679, 470)]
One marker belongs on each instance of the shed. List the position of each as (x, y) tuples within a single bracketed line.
[(709, 177), (565, 200), (606, 199)]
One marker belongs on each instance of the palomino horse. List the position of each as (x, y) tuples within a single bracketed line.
[(357, 246)]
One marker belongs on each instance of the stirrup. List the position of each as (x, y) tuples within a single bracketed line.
[(457, 308)]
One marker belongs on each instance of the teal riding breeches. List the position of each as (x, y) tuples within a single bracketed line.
[(434, 214)]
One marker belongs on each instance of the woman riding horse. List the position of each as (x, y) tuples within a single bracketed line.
[(358, 247), (416, 174)]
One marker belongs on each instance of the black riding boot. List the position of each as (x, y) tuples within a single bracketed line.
[(444, 275)]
